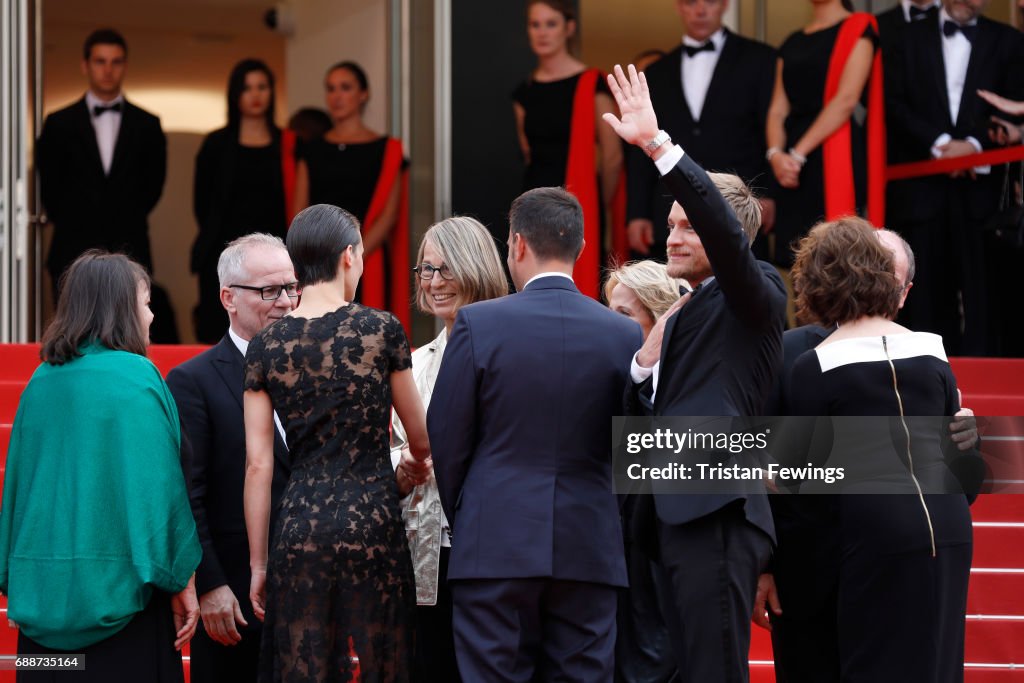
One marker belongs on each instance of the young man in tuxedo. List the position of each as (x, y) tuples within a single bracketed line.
[(715, 356), (257, 287), (933, 73), (711, 94), (520, 425), (101, 163)]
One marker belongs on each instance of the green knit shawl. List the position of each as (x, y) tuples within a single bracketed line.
[(95, 513)]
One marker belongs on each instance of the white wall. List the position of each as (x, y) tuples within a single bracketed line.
[(330, 31), (179, 57)]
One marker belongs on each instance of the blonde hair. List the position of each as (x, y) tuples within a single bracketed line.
[(651, 283), (743, 202), (469, 252)]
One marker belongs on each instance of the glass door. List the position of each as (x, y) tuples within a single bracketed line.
[(19, 79)]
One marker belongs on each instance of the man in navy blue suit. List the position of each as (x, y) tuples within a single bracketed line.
[(520, 428)]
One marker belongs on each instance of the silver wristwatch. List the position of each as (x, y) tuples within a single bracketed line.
[(660, 139)]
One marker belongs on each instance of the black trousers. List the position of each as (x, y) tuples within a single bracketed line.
[(213, 662), (434, 658), (209, 316), (141, 651), (532, 630), (712, 565), (950, 295)]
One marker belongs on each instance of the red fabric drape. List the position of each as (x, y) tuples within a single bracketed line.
[(581, 180), (840, 196), (376, 291), (288, 173)]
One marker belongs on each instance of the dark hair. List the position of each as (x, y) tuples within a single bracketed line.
[(103, 36), (356, 71), (567, 9), (310, 123), (848, 5), (843, 272), (564, 7), (236, 85), (316, 239), (98, 303), (551, 221)]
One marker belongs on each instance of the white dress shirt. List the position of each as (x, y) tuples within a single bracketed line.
[(107, 125), (698, 70), (243, 346), (637, 372), (548, 274), (956, 55)]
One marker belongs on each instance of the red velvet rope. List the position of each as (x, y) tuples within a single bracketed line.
[(992, 157)]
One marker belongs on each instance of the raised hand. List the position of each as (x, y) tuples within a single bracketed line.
[(637, 124)]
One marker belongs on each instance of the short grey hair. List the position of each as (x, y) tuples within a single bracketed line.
[(231, 264), (909, 252)]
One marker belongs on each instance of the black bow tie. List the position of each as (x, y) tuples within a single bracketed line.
[(951, 27), (919, 13), (99, 109), (693, 50), (692, 292)]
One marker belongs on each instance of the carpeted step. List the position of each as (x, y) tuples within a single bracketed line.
[(996, 593), (991, 640), (998, 508)]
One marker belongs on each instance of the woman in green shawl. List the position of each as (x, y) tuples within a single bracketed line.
[(97, 542)]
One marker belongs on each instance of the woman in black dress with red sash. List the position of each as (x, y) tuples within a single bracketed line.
[(361, 171), (558, 120), (817, 150)]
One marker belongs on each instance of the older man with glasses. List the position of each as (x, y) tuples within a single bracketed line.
[(257, 288)]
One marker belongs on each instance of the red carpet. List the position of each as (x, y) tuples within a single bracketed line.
[(995, 626)]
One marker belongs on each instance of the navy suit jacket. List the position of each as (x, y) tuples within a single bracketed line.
[(520, 430), (208, 391), (87, 207), (722, 351)]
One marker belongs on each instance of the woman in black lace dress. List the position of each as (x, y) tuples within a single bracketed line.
[(336, 589)]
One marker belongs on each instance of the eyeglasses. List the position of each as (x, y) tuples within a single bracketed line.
[(272, 292), (426, 271)]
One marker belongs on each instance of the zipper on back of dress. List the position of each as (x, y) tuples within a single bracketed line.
[(910, 458)]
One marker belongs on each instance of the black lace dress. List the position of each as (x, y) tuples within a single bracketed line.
[(340, 592)]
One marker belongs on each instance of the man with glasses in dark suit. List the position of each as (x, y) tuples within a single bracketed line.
[(257, 287)]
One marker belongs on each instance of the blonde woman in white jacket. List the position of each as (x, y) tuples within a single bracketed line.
[(457, 264)]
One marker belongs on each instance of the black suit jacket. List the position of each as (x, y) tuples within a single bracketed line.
[(730, 135), (917, 110), (722, 351), (806, 559), (208, 391), (889, 24), (87, 207), (520, 427)]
